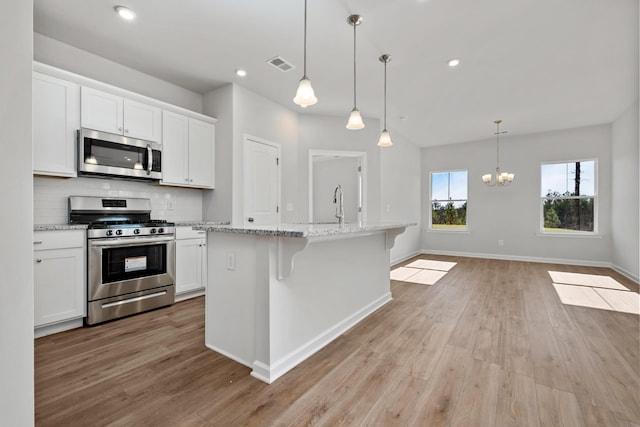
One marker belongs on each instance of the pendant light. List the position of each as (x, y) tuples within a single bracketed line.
[(501, 178), (385, 136), (305, 96), (355, 119)]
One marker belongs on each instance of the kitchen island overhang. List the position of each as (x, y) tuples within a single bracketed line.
[(278, 294)]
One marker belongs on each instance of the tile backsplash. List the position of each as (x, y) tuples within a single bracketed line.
[(51, 195)]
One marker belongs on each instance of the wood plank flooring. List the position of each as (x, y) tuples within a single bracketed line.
[(489, 345)]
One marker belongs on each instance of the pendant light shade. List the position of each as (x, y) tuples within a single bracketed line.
[(385, 136), (305, 95), (355, 119)]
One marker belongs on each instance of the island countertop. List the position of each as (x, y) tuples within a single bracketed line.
[(304, 230)]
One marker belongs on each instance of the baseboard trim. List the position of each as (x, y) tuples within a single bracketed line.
[(189, 294), (229, 355), (520, 258), (404, 258), (271, 372), (625, 273), (43, 331)]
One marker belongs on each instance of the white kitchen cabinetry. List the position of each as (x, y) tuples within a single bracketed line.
[(59, 276), (111, 113), (191, 261), (188, 151), (56, 117)]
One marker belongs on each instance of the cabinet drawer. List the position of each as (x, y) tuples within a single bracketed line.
[(58, 239), (189, 233)]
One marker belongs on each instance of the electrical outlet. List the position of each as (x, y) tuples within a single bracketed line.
[(171, 204), (231, 261), (500, 242)]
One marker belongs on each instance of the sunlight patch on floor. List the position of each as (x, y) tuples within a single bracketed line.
[(424, 273), (594, 291), (432, 265), (591, 280)]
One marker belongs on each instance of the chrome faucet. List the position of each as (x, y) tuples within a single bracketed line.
[(339, 200)]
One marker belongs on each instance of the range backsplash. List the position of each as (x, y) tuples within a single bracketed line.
[(50, 197)]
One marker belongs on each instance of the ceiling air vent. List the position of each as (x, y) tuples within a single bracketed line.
[(280, 63)]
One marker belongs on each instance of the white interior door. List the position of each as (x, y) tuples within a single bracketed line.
[(328, 173), (261, 182)]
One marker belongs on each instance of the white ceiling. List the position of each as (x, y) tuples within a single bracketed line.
[(536, 64)]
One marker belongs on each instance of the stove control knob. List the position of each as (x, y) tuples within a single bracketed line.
[(118, 232), (152, 231), (160, 230), (136, 231), (109, 232)]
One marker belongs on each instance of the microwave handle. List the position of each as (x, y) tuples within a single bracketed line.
[(149, 159)]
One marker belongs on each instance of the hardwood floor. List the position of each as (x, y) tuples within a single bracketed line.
[(489, 345)]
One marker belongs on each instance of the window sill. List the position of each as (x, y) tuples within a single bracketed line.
[(571, 235), (450, 231)]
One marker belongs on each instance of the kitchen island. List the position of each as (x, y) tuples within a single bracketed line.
[(278, 294)]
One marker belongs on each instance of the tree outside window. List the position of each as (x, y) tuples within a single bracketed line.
[(568, 192), (449, 200)]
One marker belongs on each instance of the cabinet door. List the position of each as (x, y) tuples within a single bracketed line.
[(142, 121), (201, 153), (175, 149), (189, 264), (56, 117), (101, 111), (58, 285)]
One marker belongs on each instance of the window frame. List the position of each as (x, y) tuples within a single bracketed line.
[(595, 197), (430, 227)]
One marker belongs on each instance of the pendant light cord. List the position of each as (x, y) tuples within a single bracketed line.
[(305, 40), (354, 65), (385, 95), (498, 145)]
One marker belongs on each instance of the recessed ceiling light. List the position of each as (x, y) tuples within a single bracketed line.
[(240, 72), (453, 62), (125, 13)]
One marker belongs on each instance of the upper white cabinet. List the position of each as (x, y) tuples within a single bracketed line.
[(188, 150), (56, 117), (115, 114)]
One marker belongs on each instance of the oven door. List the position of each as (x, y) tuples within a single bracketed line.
[(121, 266)]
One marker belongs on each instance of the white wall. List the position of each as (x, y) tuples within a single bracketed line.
[(625, 254), (52, 52), (217, 203), (401, 194), (51, 195), (329, 133), (16, 248), (512, 214), (250, 114)]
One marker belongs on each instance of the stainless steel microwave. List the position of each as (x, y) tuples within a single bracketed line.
[(102, 153)]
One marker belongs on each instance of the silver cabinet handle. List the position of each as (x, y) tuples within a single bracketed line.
[(149, 159), (186, 179), (191, 180), (39, 260), (37, 242), (250, 219), (126, 130), (120, 129)]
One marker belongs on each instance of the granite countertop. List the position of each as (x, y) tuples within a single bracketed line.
[(50, 227), (304, 230), (199, 223)]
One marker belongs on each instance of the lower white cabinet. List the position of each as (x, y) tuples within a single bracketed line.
[(59, 276), (191, 260)]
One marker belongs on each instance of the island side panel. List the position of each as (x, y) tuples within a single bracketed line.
[(334, 284), (230, 307)]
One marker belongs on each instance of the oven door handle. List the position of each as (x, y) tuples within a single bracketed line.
[(130, 241)]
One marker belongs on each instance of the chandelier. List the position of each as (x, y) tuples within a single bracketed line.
[(501, 178)]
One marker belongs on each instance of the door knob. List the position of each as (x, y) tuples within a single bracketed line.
[(250, 219)]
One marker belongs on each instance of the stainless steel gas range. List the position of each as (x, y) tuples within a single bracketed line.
[(130, 259)]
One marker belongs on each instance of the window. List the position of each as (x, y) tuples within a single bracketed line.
[(569, 197), (449, 200)]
